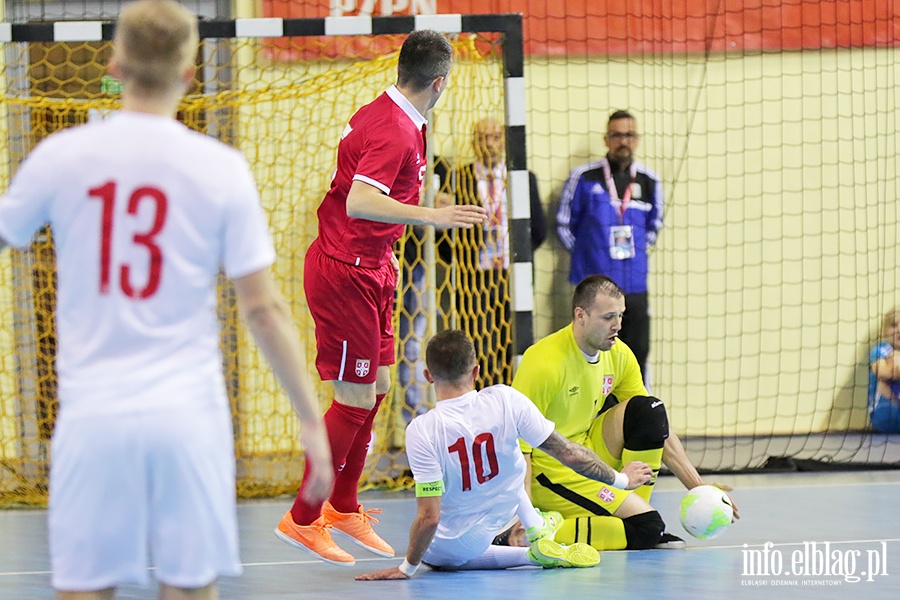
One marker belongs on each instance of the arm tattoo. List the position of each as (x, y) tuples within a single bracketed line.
[(578, 458)]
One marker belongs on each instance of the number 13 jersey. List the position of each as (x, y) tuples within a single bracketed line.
[(144, 213), (471, 444)]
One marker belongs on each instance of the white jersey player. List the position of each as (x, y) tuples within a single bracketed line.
[(144, 213), (469, 472), (468, 444)]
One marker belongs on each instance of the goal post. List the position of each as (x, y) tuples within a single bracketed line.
[(281, 91)]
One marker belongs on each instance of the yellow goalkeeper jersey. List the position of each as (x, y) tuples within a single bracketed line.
[(570, 391)]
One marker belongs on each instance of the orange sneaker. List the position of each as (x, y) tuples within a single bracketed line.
[(358, 528), (313, 538)]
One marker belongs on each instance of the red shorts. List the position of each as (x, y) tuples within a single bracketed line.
[(353, 310)]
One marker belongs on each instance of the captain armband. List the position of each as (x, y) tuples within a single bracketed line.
[(427, 490)]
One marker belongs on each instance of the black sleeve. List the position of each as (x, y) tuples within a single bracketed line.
[(538, 218)]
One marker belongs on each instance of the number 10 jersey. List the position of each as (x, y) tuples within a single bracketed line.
[(471, 443)]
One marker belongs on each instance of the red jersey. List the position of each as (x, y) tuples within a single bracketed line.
[(383, 146)]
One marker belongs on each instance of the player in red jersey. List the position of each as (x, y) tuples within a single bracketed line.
[(350, 276)]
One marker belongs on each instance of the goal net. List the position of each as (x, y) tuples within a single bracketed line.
[(283, 101), (773, 127)]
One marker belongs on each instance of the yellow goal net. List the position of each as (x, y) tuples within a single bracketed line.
[(283, 103)]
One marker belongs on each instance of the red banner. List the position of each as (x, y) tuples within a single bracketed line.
[(309, 48), (651, 26)]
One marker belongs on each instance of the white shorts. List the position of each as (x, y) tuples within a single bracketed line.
[(127, 488), (454, 552)]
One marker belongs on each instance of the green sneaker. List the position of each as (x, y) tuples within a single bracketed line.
[(552, 522), (550, 555)]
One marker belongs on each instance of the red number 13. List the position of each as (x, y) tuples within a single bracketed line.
[(106, 193)]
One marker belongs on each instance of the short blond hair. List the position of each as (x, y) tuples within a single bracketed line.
[(155, 41)]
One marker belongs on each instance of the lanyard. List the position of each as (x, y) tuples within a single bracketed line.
[(492, 189), (614, 193)]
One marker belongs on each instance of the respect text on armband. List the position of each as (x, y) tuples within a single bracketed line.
[(424, 490)]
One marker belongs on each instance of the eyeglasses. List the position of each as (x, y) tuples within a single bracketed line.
[(618, 136)]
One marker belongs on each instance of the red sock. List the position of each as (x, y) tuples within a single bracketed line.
[(344, 495), (342, 423)]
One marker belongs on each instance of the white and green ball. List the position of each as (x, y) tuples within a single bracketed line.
[(706, 512)]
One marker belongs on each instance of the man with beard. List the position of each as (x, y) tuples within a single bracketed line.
[(587, 382)]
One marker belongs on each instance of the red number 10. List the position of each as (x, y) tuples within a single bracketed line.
[(482, 441), (106, 193)]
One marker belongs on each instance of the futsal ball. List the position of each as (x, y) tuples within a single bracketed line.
[(706, 512)]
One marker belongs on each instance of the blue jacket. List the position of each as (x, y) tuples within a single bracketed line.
[(587, 213), (881, 350)]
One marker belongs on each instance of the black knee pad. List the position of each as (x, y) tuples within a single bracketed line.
[(646, 424), (642, 531)]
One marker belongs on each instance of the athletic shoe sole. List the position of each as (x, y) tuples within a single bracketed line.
[(292, 542), (550, 554)]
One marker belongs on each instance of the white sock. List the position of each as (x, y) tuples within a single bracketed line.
[(498, 557), (527, 513)]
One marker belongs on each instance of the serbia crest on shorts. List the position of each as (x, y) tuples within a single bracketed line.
[(607, 383), (606, 495), (362, 367)]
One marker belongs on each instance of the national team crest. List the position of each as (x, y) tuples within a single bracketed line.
[(606, 495), (607, 384), (362, 367)]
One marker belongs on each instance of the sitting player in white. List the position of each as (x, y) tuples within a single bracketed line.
[(468, 469)]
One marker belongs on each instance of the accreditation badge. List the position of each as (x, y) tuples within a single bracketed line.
[(621, 242)]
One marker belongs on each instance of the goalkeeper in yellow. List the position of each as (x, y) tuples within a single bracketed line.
[(589, 383)]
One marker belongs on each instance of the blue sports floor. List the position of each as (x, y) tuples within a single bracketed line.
[(857, 514)]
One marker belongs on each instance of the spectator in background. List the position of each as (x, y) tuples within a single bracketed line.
[(482, 255), (609, 215), (884, 377)]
